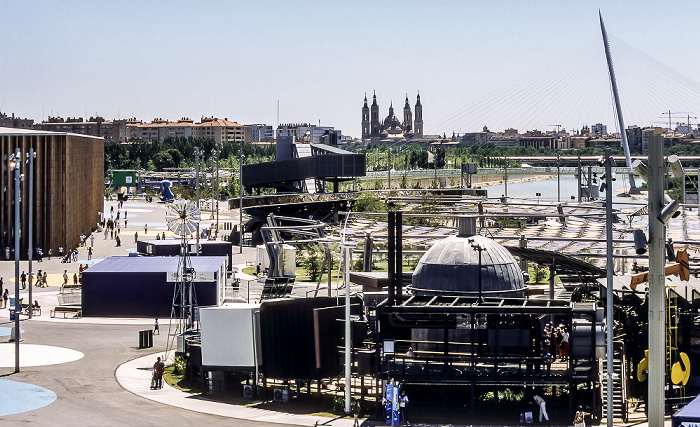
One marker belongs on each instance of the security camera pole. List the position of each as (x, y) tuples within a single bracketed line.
[(657, 291), (17, 163), (609, 286)]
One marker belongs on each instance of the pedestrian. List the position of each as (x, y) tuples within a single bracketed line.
[(45, 281), (75, 254), (126, 223), (126, 213), (49, 254), (4, 298), (2, 284), (136, 237), (163, 236), (158, 369), (258, 270), (65, 277), (356, 413), (7, 253), (23, 279), (89, 253), (41, 255), (145, 229), (119, 241), (543, 407), (580, 417), (157, 236), (92, 240), (565, 344), (38, 279), (156, 328), (111, 209), (60, 251), (75, 279), (403, 400), (111, 233)]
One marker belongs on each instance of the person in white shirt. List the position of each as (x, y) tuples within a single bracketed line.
[(543, 407), (403, 400)]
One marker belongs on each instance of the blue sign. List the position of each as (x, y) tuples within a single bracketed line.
[(391, 400)]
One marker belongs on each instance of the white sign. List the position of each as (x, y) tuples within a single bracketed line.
[(129, 179), (206, 276), (388, 346)]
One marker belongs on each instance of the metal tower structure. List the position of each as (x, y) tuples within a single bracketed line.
[(182, 218), (618, 109)]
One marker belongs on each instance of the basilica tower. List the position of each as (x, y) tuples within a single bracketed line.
[(374, 119), (407, 116), (418, 123), (365, 120)]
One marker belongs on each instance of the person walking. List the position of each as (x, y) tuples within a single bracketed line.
[(89, 253), (23, 279), (136, 237), (565, 344), (356, 413), (543, 407), (119, 241), (2, 285), (145, 229), (580, 417), (45, 281), (158, 369), (65, 277), (156, 328), (403, 401), (92, 240), (4, 298), (75, 279)]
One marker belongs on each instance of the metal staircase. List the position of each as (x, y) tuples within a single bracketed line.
[(619, 381)]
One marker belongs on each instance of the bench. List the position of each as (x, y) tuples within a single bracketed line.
[(35, 310), (76, 310), (277, 287)]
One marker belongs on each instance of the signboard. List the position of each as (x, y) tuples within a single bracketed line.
[(388, 346), (206, 276), (391, 400), (124, 178)]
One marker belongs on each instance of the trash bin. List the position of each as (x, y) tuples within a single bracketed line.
[(146, 339)]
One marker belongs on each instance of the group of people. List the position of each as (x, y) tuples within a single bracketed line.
[(555, 341)]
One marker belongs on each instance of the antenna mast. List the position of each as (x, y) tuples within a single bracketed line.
[(613, 82)]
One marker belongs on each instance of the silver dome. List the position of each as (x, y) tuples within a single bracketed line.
[(451, 267)]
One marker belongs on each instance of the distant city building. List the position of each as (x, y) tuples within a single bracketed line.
[(221, 131), (68, 188), (262, 133), (634, 139), (391, 126), (305, 132), (94, 126), (15, 122), (599, 129)]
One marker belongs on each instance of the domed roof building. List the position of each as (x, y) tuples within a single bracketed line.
[(453, 267), (391, 127)]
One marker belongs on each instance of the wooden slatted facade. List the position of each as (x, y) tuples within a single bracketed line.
[(68, 188)]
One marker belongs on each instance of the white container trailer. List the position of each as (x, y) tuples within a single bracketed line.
[(231, 336)]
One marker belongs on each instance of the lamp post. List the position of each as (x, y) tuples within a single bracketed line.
[(389, 168), (477, 247), (558, 179), (609, 280), (505, 176), (218, 192), (30, 246), (196, 185), (15, 166), (240, 201), (347, 246)]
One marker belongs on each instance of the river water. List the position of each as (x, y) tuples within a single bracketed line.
[(548, 190)]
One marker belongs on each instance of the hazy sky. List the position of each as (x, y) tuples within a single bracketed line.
[(238, 59)]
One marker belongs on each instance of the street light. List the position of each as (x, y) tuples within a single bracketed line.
[(240, 201), (14, 165)]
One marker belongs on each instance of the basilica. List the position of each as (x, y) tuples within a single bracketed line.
[(391, 127)]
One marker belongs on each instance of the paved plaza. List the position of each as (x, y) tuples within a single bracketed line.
[(89, 371)]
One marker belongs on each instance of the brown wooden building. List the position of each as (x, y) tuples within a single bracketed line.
[(68, 188)]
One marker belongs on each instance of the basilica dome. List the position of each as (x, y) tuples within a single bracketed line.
[(451, 267)]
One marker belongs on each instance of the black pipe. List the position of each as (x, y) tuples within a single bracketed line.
[(390, 259), (399, 258)]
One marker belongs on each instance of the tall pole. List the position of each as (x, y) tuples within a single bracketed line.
[(618, 109), (30, 227), (389, 161), (218, 193), (348, 331), (240, 200), (505, 175), (657, 289), (17, 161), (558, 179), (196, 185), (609, 286)]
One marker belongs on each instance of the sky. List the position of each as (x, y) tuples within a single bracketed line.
[(317, 59)]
